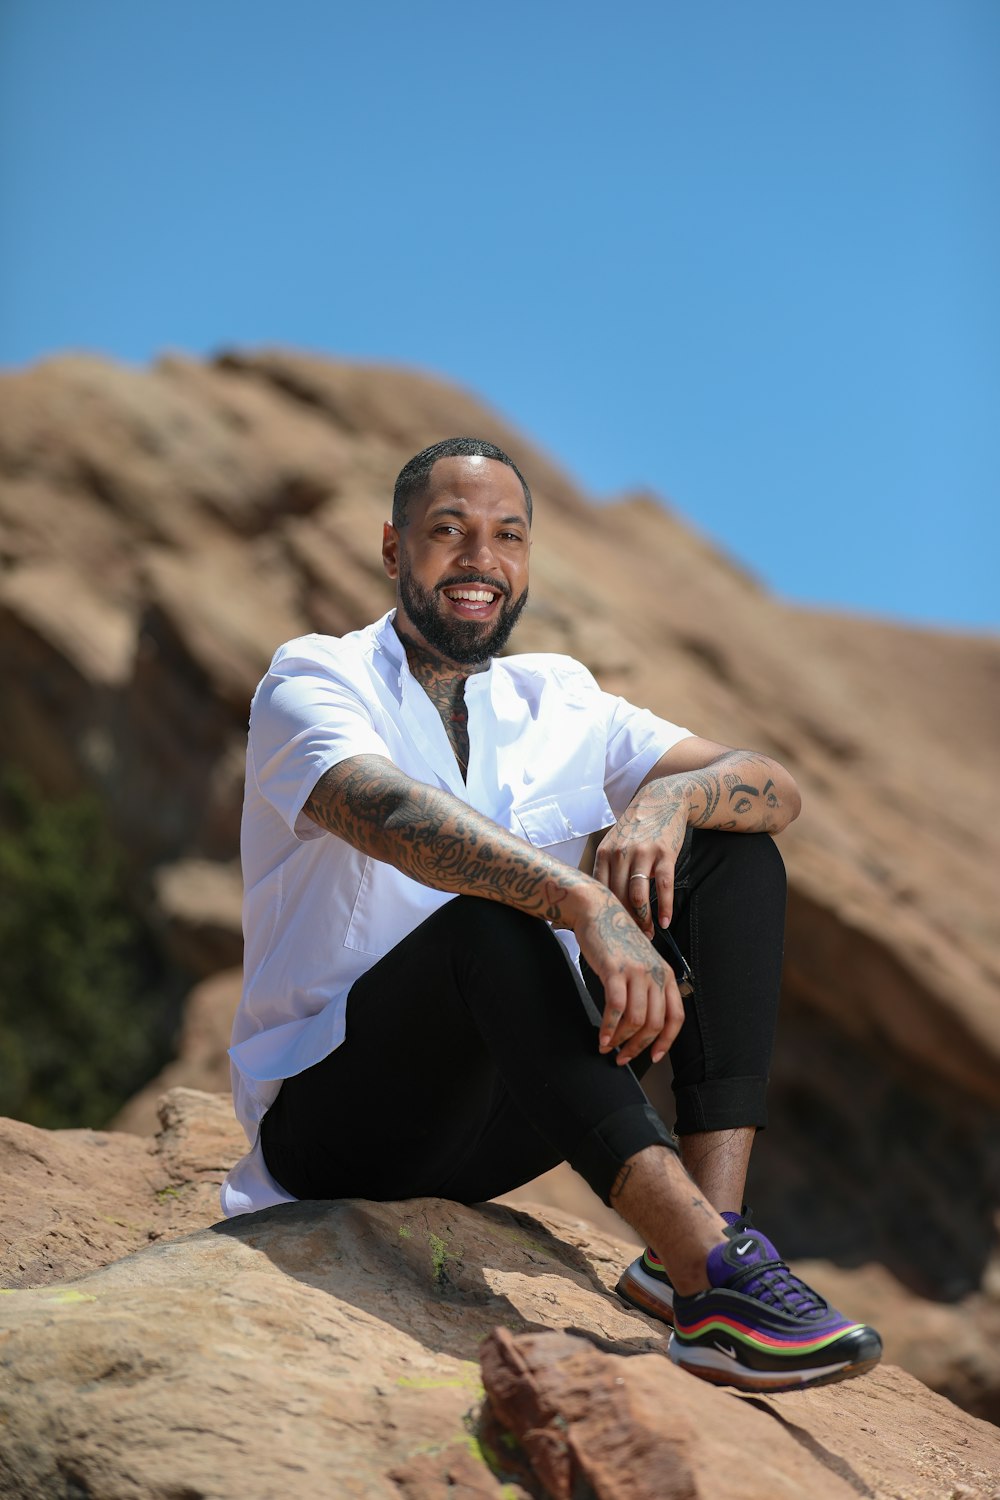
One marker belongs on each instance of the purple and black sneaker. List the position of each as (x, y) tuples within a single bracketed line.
[(759, 1328)]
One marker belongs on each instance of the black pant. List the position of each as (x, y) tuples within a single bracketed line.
[(471, 1063)]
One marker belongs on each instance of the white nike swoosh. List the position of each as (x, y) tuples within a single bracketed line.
[(742, 1249), (725, 1349)]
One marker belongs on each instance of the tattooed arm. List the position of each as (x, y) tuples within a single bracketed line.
[(698, 784), (437, 839)]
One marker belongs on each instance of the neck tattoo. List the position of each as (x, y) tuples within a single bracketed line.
[(444, 684)]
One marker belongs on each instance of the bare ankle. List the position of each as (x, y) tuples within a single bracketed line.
[(654, 1194)]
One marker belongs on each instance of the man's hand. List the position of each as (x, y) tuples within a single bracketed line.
[(642, 1004), (639, 854), (700, 784)]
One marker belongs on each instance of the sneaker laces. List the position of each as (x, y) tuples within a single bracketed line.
[(771, 1282)]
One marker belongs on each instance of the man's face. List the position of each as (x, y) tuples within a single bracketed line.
[(461, 560)]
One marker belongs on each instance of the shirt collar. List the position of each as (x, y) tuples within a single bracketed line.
[(388, 641)]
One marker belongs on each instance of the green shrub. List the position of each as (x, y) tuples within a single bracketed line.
[(76, 1037)]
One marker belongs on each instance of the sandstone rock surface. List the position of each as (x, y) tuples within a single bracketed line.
[(72, 1200), (617, 1428), (325, 1349)]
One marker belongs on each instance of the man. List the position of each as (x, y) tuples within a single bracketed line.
[(413, 1019)]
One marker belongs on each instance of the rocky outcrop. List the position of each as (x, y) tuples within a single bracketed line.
[(334, 1348), (591, 1422), (162, 530), (73, 1200)]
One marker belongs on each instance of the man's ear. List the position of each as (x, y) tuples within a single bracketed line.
[(390, 549)]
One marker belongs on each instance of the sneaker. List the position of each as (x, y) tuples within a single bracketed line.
[(645, 1284), (759, 1328)]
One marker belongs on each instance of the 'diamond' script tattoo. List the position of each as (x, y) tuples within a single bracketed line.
[(436, 839)]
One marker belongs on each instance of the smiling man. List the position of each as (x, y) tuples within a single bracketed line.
[(444, 997)]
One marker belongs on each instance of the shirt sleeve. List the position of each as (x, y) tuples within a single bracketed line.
[(636, 739), (305, 718)]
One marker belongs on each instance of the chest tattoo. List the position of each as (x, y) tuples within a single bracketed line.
[(445, 687), (457, 728)]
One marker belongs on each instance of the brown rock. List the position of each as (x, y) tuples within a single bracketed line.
[(307, 1347), (200, 907), (202, 1061), (563, 1189), (76, 1199), (954, 1348), (594, 1423), (326, 1348)]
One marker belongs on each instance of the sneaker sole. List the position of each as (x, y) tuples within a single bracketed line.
[(646, 1294), (709, 1364)]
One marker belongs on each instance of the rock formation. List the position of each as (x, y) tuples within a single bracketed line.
[(594, 1422), (343, 1348), (162, 530)]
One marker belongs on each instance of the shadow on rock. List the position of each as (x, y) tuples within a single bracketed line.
[(445, 1273)]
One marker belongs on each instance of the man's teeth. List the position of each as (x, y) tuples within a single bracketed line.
[(472, 596)]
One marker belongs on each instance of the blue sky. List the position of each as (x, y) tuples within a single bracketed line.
[(747, 255)]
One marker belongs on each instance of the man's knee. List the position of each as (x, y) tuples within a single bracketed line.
[(495, 949), (752, 857), (492, 924), (759, 852)]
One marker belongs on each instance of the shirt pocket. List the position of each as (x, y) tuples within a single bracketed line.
[(562, 822), (387, 908)]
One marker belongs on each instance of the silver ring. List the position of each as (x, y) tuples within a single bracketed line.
[(639, 877)]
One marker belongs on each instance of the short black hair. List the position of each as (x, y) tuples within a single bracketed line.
[(414, 476)]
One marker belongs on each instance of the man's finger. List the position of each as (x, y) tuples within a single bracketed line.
[(664, 893), (651, 1027), (638, 902), (619, 870), (614, 1008), (634, 1017), (673, 1020), (601, 864)]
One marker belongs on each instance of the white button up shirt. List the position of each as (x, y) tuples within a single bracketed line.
[(552, 758)]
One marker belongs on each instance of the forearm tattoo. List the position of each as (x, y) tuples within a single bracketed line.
[(734, 793), (436, 839)]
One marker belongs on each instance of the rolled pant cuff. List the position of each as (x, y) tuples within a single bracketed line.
[(722, 1104), (604, 1150)]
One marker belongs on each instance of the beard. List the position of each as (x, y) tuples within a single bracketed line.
[(466, 642)]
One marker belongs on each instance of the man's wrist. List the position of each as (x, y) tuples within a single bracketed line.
[(692, 798), (670, 795), (584, 898)]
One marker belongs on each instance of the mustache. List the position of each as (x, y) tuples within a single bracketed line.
[(465, 582)]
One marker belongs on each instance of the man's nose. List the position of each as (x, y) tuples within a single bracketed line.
[(478, 555)]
